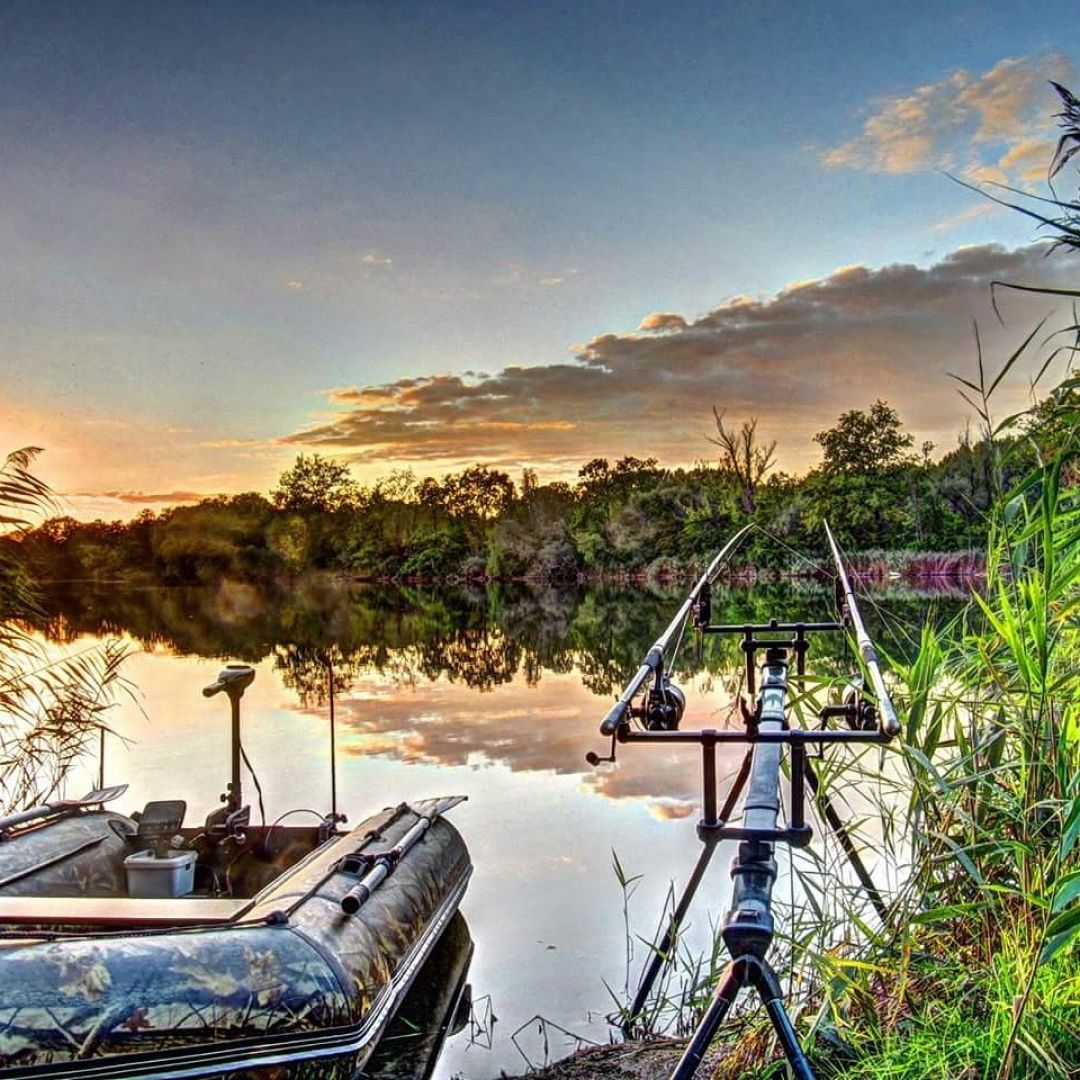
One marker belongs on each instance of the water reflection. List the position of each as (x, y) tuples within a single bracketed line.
[(449, 677), (495, 693), (479, 637)]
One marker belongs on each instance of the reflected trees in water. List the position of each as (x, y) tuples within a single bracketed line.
[(480, 637)]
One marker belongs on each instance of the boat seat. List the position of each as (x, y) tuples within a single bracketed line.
[(159, 822)]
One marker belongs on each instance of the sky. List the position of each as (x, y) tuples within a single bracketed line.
[(422, 236)]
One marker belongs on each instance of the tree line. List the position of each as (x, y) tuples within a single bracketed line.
[(877, 491)]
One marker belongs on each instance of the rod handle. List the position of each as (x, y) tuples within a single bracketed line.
[(890, 723), (615, 718), (353, 900)]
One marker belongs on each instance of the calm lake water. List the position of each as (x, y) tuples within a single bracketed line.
[(493, 693)]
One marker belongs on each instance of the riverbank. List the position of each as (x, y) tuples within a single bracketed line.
[(651, 1060)]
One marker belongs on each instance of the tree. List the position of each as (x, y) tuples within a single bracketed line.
[(599, 479), (315, 484), (743, 457), (478, 492), (864, 443)]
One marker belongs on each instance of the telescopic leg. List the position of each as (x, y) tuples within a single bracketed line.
[(840, 830), (768, 986), (661, 954), (800, 1067), (723, 999), (743, 971)]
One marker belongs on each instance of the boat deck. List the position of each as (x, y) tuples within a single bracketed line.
[(118, 912)]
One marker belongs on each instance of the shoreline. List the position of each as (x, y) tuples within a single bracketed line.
[(651, 1059)]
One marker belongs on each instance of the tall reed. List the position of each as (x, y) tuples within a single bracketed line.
[(51, 708), (978, 971)]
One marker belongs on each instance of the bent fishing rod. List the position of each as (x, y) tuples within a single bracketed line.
[(767, 731)]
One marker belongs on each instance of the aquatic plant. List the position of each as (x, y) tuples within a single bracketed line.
[(51, 707)]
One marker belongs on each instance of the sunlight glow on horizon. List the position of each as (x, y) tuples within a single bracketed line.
[(250, 210)]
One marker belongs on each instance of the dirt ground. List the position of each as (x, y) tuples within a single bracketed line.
[(651, 1060)]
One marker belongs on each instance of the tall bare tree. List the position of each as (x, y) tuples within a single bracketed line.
[(743, 457)]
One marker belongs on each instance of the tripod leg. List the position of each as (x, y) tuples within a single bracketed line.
[(662, 951), (838, 827), (800, 1067), (724, 997), (768, 986)]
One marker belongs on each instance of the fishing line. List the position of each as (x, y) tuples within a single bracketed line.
[(799, 555)]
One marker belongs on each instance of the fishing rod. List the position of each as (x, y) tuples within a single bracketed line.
[(889, 721), (767, 731), (665, 700)]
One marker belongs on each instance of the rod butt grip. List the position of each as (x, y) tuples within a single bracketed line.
[(615, 718)]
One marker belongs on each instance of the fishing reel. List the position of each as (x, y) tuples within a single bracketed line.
[(664, 706), (662, 710), (860, 712)]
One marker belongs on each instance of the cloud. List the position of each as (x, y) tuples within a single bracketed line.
[(120, 505), (169, 498), (663, 320), (373, 258), (436, 722), (796, 360), (993, 126), (970, 213), (237, 444)]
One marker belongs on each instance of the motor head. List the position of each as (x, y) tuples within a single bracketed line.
[(234, 680)]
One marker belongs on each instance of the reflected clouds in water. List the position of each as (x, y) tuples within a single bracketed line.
[(440, 723)]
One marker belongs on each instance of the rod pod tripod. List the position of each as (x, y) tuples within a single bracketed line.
[(748, 926)]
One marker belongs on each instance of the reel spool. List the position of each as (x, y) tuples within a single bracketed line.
[(664, 707)]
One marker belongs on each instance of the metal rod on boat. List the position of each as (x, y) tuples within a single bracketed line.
[(653, 664), (234, 680), (61, 806), (383, 864), (889, 723), (333, 758)]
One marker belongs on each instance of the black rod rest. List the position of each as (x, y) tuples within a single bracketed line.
[(748, 926)]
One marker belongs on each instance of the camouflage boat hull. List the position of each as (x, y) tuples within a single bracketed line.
[(283, 985)]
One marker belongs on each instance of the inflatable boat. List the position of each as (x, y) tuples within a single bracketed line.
[(134, 946)]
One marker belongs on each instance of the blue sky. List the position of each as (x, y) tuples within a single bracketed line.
[(232, 231)]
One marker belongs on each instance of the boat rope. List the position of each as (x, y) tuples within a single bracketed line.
[(258, 786), (265, 843)]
